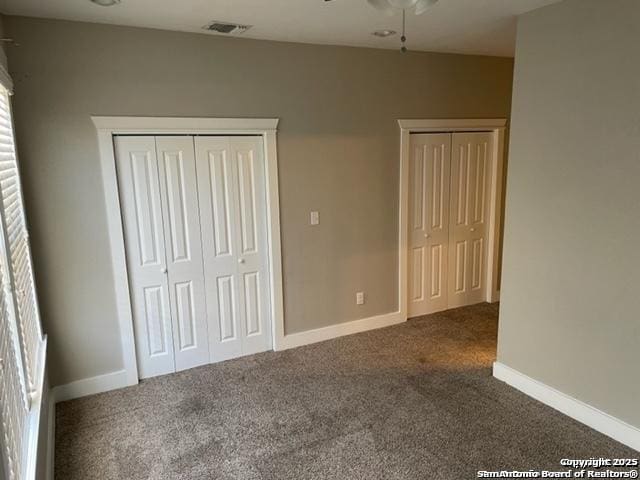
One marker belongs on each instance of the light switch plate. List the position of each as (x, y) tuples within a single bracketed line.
[(314, 218), (360, 298)]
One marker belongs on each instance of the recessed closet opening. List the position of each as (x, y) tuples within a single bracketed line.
[(197, 259), (451, 183), (194, 215)]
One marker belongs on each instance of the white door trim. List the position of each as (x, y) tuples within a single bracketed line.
[(498, 127), (107, 127)]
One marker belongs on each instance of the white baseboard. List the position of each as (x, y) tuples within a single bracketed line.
[(51, 439), (90, 386), (339, 330), (119, 379), (576, 409)]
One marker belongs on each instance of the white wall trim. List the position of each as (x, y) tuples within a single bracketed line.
[(30, 445), (51, 438), (274, 239), (109, 126), (118, 255), (151, 125), (452, 124), (576, 409), (341, 329), (498, 127), (90, 386)]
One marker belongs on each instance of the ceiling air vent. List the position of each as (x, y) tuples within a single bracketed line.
[(226, 28)]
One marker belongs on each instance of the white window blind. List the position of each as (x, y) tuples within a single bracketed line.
[(17, 246), (13, 398), (21, 339)]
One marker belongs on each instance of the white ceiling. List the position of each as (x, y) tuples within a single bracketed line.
[(460, 26)]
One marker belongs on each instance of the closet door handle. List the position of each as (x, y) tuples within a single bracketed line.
[(163, 270), (426, 235), (473, 229), (241, 260)]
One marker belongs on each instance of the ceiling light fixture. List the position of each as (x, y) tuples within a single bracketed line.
[(384, 33), (106, 3), (389, 7)]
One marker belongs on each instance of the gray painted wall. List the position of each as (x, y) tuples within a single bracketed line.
[(570, 308), (338, 151)]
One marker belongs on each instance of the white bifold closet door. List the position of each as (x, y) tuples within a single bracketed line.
[(231, 187), (429, 222), (164, 252), (195, 221), (448, 202), (470, 164)]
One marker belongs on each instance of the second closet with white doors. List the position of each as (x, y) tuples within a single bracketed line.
[(194, 215), (449, 176)]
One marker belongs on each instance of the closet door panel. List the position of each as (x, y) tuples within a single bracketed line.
[(154, 315), (227, 322), (471, 153), (217, 180), (139, 187), (428, 222), (183, 249), (253, 256), (231, 186)]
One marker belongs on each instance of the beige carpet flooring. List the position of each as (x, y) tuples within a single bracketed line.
[(412, 401)]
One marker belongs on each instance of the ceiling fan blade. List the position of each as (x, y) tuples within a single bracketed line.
[(423, 5), (383, 6)]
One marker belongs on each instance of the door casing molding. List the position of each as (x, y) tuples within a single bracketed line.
[(497, 126), (106, 128)]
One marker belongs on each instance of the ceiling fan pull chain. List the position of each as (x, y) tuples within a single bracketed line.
[(403, 38)]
